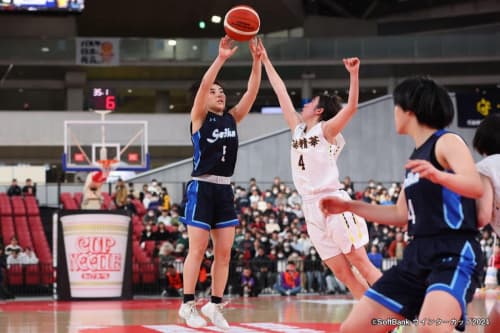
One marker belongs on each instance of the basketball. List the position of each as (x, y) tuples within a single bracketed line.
[(241, 23)]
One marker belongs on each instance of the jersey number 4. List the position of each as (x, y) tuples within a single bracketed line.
[(301, 163)]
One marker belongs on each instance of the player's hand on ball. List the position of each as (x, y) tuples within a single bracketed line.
[(332, 205), (227, 47)]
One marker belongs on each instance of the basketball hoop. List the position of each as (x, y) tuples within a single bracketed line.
[(108, 165)]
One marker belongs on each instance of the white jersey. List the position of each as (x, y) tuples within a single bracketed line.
[(490, 167), (314, 160)]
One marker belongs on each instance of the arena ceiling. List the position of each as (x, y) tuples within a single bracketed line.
[(174, 18)]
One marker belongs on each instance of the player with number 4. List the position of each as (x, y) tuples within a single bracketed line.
[(442, 264), (316, 144)]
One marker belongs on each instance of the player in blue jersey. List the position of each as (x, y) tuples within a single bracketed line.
[(487, 142), (441, 266), (209, 210)]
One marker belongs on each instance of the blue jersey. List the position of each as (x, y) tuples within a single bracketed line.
[(432, 208), (215, 146)]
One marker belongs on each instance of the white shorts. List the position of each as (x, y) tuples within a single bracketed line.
[(334, 234)]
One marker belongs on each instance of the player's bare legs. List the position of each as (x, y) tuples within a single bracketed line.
[(198, 242), (223, 241), (359, 259), (439, 305), (341, 267), (363, 316)]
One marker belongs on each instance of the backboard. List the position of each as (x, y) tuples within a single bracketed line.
[(88, 143)]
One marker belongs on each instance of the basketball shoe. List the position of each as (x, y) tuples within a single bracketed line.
[(213, 312), (190, 314)]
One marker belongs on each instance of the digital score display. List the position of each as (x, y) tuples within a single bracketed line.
[(102, 99)]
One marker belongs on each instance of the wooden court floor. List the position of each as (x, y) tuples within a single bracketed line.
[(303, 313)]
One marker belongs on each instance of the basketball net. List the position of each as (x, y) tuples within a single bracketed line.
[(107, 166)]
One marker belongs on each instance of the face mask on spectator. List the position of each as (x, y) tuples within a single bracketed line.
[(263, 239)]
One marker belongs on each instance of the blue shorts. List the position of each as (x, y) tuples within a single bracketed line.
[(452, 264), (209, 206)]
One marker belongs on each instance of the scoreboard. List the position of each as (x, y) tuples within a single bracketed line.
[(102, 99)]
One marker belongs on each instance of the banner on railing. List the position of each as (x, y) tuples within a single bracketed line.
[(474, 107), (98, 51)]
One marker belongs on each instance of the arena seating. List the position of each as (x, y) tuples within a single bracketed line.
[(20, 217)]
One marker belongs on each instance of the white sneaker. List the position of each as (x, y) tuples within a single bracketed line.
[(190, 314), (213, 312)]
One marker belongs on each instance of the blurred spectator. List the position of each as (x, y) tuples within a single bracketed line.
[(121, 194), (242, 199), (272, 225), (333, 285), (173, 286), (165, 199), (248, 284), (143, 193), (154, 187), (154, 202), (29, 189), (173, 233), (313, 267), (4, 292), (349, 187), (262, 265), (161, 234), (305, 242), (375, 256), (129, 205), (147, 235), (14, 258), (164, 218), (397, 246), (149, 217), (289, 281), (204, 278), (13, 245), (28, 257), (180, 251), (14, 189), (294, 199)]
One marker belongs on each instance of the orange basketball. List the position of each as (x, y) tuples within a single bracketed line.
[(241, 23)]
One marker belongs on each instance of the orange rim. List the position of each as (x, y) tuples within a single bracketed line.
[(107, 164)]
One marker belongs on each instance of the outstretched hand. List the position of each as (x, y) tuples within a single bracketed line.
[(352, 65), (332, 205), (226, 47), (262, 50), (255, 46)]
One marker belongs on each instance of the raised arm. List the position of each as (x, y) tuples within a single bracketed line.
[(291, 116), (240, 110), (199, 110), (336, 124)]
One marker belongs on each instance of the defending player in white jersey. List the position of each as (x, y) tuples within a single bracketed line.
[(316, 145)]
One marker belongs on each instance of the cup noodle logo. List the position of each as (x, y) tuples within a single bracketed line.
[(95, 246), (95, 259)]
